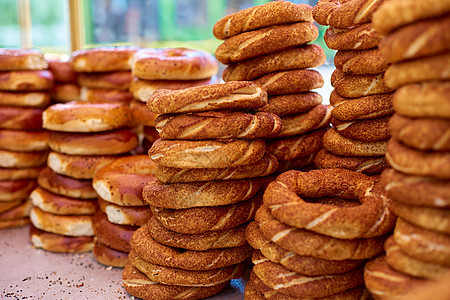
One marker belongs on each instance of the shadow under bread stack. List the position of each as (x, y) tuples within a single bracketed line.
[(417, 44), (314, 233), (24, 94), (65, 88), (83, 138), (362, 102), (119, 186), (166, 68), (268, 45), (205, 191)]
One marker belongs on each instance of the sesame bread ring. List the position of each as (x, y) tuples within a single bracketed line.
[(103, 59), (15, 223), (108, 256), (139, 285), (283, 105), (355, 86), (414, 162), (100, 143), (422, 133), (360, 62), (62, 71), (119, 80), (405, 264), (369, 130), (423, 69), (65, 92), (304, 242), (28, 99), (13, 159), (71, 225), (26, 80), (65, 186), (206, 153), (218, 125), (269, 14), (354, 38), (230, 238), (290, 82), (151, 251), (104, 95), (232, 95), (19, 173), (20, 118), (395, 14), (421, 39), (143, 89), (343, 14), (14, 190), (86, 117), (295, 284), (429, 246), (416, 190), (363, 164), (432, 218), (301, 57), (424, 99), (306, 265), (22, 59), (112, 235), (141, 114), (173, 64), (196, 194), (294, 147), (367, 107), (266, 40), (24, 141), (18, 212), (176, 276), (297, 163), (5, 206), (62, 205), (60, 243), (77, 166), (297, 124), (125, 215), (122, 181), (339, 145), (209, 218), (339, 219), (264, 167)]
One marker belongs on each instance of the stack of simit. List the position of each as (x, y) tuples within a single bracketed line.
[(66, 86)]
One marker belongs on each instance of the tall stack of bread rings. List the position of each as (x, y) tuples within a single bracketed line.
[(416, 43), (24, 94), (65, 87), (268, 45), (361, 100)]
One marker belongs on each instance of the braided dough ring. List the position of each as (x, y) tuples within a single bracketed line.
[(304, 242), (363, 164), (283, 197), (139, 285), (20, 118), (26, 80), (15, 190), (119, 80), (22, 59), (104, 95), (60, 243), (415, 162), (264, 167), (14, 159), (302, 57), (108, 256), (27, 99), (360, 62), (355, 38), (207, 219), (343, 14), (424, 69), (266, 40), (103, 59), (396, 14), (290, 82), (369, 130), (221, 96), (417, 40), (218, 125), (283, 105), (26, 141), (207, 153), (306, 265), (125, 215), (424, 99), (339, 145), (367, 107), (355, 86), (297, 124), (195, 194)]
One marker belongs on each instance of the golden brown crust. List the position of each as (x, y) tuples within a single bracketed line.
[(65, 186), (62, 71), (24, 141), (20, 118), (102, 59), (19, 173), (355, 86), (141, 114), (18, 212), (297, 124), (5, 206), (22, 59), (355, 38), (15, 223), (299, 163), (360, 62), (125, 215), (105, 95), (119, 80), (282, 105), (28, 99), (109, 256), (302, 57), (438, 289), (266, 40), (369, 130), (65, 92), (26, 80), (14, 159), (14, 190)]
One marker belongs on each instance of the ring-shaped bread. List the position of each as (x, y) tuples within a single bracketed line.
[(22, 59)]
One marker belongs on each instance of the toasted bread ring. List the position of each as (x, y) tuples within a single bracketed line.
[(22, 59), (14, 159), (290, 82), (102, 59), (119, 80), (355, 86), (65, 92), (282, 105), (125, 215), (39, 99), (355, 38), (339, 145), (368, 130), (296, 124), (360, 62), (24, 141), (26, 80)]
